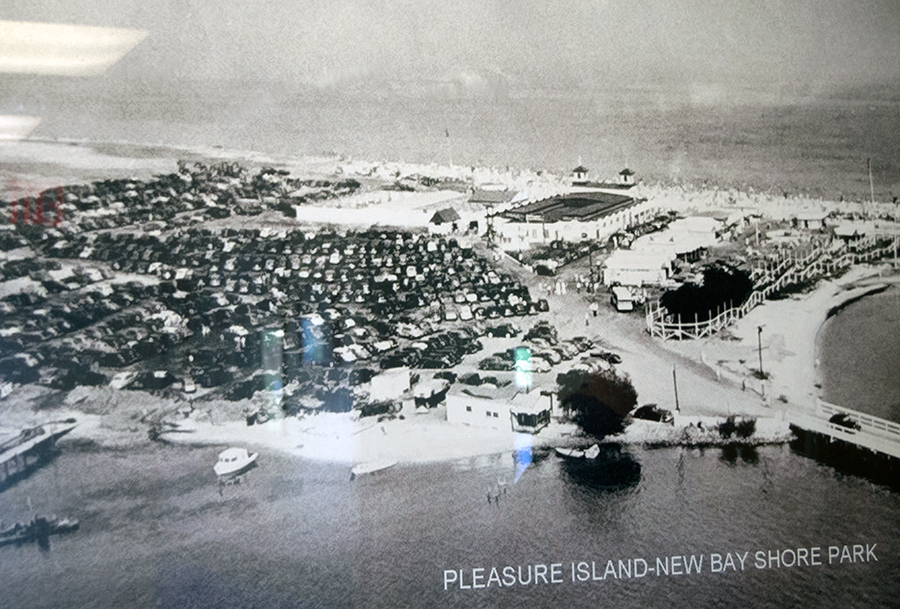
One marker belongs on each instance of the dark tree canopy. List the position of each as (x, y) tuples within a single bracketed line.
[(723, 286), (597, 401)]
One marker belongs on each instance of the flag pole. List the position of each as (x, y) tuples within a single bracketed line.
[(449, 152), (871, 183)]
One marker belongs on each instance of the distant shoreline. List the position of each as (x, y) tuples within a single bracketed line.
[(145, 158)]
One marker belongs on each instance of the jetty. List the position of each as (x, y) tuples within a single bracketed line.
[(30, 448)]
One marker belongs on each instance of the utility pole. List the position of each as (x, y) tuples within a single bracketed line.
[(871, 183), (759, 342), (675, 382), (591, 268)]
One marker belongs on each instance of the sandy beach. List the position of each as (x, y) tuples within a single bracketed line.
[(788, 338)]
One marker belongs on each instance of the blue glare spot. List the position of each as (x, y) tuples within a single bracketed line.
[(522, 454)]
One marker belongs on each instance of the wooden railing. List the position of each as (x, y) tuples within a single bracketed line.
[(867, 422), (771, 278)]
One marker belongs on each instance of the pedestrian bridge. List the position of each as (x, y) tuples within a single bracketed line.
[(877, 435)]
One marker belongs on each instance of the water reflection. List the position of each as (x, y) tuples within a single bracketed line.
[(731, 453), (847, 458)]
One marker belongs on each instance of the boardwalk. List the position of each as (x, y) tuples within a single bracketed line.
[(769, 279)]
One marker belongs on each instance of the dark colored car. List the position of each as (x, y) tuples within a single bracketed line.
[(652, 412), (845, 420)]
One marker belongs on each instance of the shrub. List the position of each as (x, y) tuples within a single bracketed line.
[(740, 429), (745, 428), (727, 427)]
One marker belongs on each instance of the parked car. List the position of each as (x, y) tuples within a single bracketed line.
[(652, 412), (495, 363)]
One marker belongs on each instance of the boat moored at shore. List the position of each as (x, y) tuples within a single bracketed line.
[(234, 461)]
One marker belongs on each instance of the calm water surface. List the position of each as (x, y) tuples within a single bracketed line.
[(157, 533), (859, 353)]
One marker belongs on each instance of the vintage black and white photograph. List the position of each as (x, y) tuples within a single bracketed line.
[(360, 304)]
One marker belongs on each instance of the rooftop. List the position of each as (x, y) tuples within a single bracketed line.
[(583, 206)]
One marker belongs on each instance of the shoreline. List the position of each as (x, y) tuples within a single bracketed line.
[(146, 159), (712, 373), (790, 345)]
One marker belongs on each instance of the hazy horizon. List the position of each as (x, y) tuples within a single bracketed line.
[(766, 92)]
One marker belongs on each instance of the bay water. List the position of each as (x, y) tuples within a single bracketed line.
[(157, 532)]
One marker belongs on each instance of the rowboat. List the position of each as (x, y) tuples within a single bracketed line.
[(577, 453), (370, 467)]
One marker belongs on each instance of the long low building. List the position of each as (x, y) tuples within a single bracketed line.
[(502, 408), (638, 268), (573, 217), (688, 238)]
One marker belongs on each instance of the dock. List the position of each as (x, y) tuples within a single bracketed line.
[(32, 446)]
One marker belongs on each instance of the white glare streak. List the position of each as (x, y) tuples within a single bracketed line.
[(15, 128), (66, 50)]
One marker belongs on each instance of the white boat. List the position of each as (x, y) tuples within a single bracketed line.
[(572, 453), (233, 461), (370, 467), (577, 453)]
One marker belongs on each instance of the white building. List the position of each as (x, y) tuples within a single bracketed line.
[(577, 216), (501, 408), (390, 384), (687, 238), (638, 268)]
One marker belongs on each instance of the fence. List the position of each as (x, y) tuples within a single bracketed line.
[(771, 278)]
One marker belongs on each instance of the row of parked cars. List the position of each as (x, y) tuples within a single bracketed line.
[(206, 191), (197, 316), (542, 352)]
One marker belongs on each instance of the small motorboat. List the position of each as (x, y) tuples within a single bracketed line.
[(38, 529), (234, 461)]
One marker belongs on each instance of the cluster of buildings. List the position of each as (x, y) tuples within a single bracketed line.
[(650, 258), (129, 290)]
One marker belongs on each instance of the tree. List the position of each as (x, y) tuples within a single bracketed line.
[(723, 286), (598, 402)]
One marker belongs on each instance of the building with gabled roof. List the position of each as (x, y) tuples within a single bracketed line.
[(447, 215)]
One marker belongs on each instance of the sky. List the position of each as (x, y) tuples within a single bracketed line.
[(480, 45)]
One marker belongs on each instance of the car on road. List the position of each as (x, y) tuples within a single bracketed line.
[(845, 420)]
